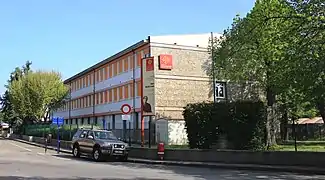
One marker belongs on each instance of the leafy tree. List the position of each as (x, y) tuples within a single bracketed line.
[(36, 93), (305, 57), (251, 51)]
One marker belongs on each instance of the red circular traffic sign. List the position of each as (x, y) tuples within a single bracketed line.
[(126, 109)]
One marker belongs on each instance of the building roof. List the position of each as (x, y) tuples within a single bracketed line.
[(192, 40), (315, 120), (101, 63)]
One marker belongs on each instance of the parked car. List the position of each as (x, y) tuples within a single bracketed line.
[(99, 144)]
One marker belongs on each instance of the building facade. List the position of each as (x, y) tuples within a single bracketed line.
[(177, 65)]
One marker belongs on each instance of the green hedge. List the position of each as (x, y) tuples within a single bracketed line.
[(66, 131), (242, 122)]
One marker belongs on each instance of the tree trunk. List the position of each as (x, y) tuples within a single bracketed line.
[(271, 120), (321, 108)]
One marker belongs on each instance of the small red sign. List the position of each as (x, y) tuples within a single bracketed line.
[(165, 62), (149, 64), (126, 109)]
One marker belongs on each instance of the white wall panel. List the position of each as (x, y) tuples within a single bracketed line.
[(82, 92), (114, 81), (64, 114), (80, 112), (119, 79), (102, 108)]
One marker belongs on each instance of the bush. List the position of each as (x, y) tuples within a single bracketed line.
[(242, 122), (66, 131)]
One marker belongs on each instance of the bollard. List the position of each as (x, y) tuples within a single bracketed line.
[(161, 150)]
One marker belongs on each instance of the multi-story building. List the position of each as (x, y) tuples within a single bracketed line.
[(178, 77)]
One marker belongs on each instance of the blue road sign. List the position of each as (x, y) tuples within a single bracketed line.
[(58, 120)]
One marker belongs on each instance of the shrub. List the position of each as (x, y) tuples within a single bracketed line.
[(243, 123), (66, 131)]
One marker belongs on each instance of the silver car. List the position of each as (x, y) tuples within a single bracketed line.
[(99, 144)]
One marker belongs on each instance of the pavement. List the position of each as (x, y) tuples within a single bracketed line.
[(253, 167), (24, 161)]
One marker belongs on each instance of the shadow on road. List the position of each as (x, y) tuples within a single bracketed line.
[(202, 173)]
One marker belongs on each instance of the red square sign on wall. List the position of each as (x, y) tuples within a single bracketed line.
[(165, 62)]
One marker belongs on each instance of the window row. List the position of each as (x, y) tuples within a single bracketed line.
[(104, 97), (108, 71)]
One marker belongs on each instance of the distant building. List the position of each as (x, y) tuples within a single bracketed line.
[(174, 77)]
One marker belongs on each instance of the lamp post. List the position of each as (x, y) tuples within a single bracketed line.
[(212, 68)]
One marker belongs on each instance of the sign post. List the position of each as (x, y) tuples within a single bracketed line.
[(58, 121), (126, 109)]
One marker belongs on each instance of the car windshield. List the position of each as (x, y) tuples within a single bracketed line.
[(104, 135)]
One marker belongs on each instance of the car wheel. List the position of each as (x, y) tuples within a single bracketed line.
[(97, 154), (76, 151)]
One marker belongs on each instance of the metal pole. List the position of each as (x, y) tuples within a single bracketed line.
[(149, 131), (129, 133), (58, 137), (134, 119), (70, 122), (213, 73), (94, 91), (295, 133)]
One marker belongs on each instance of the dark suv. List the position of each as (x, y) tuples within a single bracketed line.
[(98, 144)]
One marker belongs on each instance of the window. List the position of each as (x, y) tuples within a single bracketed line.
[(120, 65), (132, 89), (115, 94), (110, 98), (115, 69), (107, 72), (110, 72), (102, 74), (104, 97), (126, 64), (83, 134), (126, 91), (120, 92), (138, 58), (131, 60), (139, 88)]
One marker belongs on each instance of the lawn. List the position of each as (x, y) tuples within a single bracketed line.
[(300, 147)]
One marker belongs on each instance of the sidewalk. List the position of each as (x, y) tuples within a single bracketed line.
[(253, 167)]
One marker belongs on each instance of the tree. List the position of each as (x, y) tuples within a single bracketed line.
[(252, 51), (305, 56), (36, 93)]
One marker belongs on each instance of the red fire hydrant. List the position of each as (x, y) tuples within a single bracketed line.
[(161, 151)]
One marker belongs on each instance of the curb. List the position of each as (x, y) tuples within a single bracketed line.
[(42, 145), (252, 167)]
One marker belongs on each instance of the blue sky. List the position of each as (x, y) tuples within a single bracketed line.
[(71, 35)]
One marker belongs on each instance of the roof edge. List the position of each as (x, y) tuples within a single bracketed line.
[(115, 56)]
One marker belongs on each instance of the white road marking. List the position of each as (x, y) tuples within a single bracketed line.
[(20, 147), (59, 158)]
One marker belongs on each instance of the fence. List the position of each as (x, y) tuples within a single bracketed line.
[(67, 131)]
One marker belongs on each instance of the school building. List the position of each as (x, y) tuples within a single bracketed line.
[(173, 74)]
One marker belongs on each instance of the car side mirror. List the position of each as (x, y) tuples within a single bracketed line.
[(90, 137)]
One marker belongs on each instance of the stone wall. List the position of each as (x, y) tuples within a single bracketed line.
[(186, 83)]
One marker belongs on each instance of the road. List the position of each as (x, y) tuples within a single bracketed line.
[(22, 161)]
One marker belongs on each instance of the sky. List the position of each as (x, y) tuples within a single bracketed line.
[(71, 35)]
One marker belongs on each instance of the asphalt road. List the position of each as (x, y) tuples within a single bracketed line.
[(22, 161)]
